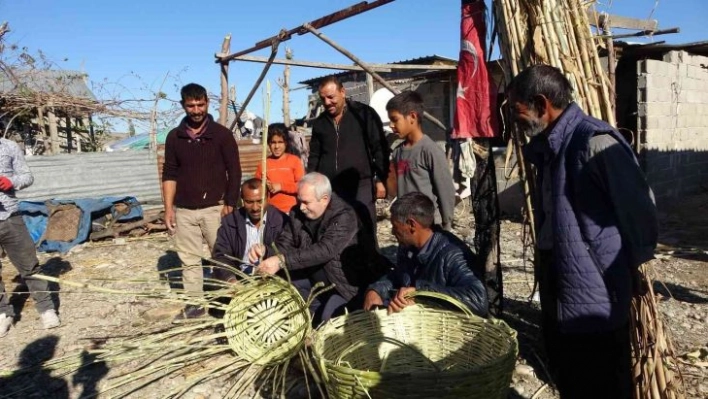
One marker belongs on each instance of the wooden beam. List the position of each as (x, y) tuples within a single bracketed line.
[(318, 23), (224, 103), (346, 67), (616, 21)]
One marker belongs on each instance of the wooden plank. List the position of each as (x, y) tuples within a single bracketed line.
[(346, 67), (616, 21)]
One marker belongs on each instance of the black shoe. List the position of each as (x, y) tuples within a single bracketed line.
[(191, 312)]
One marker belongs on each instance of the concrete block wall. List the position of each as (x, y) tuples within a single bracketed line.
[(672, 123)]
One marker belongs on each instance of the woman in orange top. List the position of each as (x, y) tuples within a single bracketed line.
[(284, 170)]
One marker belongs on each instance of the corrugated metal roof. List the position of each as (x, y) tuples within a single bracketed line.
[(698, 48), (94, 175), (44, 81), (425, 60)]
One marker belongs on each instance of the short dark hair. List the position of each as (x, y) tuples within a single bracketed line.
[(416, 206), (193, 91), (406, 102), (278, 129), (252, 184), (541, 80), (330, 79)]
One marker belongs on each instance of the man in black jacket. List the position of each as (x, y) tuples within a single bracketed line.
[(427, 260), (323, 244), (240, 230), (348, 145)]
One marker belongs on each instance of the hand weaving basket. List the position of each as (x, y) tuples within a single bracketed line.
[(266, 321), (418, 353)]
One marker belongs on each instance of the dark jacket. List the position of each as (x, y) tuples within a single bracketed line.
[(357, 151), (337, 248), (599, 237), (231, 238), (207, 169), (445, 265)]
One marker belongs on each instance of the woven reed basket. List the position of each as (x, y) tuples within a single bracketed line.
[(266, 321), (418, 353)]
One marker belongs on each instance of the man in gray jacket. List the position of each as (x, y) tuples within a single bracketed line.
[(15, 239)]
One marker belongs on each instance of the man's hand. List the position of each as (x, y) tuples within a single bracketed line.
[(274, 188), (256, 252), (170, 221), (269, 266), (372, 299), (227, 209), (380, 190), (400, 301), (5, 184)]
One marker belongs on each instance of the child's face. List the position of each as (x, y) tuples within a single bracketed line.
[(401, 124)]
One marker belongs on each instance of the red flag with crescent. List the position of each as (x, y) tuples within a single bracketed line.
[(476, 94)]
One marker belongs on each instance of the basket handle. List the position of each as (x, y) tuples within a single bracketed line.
[(356, 345), (446, 298)]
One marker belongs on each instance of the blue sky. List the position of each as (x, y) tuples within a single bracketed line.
[(132, 45)]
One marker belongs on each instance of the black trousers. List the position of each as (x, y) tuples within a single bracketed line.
[(584, 365)]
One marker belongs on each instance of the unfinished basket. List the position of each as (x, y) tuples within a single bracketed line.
[(266, 321), (417, 353)]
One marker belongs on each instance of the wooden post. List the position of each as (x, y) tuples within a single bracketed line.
[(224, 104), (368, 70), (41, 127), (69, 138), (286, 89), (92, 136), (53, 131), (611, 64), (370, 86)]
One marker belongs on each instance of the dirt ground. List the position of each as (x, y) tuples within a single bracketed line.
[(90, 319)]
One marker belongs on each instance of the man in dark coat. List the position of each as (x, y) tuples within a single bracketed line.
[(241, 229), (348, 145), (427, 260), (595, 224), (323, 244)]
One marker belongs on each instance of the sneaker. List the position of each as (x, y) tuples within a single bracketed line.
[(50, 319), (5, 324), (191, 312)]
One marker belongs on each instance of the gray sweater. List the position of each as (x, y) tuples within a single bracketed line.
[(423, 168)]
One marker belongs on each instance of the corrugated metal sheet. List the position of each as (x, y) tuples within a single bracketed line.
[(94, 175)]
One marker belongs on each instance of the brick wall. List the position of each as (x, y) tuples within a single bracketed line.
[(672, 112)]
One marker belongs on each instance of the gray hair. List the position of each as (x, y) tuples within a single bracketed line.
[(415, 206), (319, 182)]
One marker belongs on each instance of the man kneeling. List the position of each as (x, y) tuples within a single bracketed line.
[(324, 243), (427, 260)]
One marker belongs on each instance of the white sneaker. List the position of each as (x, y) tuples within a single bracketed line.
[(5, 324), (50, 319)]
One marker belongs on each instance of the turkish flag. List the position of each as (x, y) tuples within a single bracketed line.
[(476, 94)]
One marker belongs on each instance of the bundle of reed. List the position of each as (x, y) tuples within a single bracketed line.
[(556, 33), (655, 367)]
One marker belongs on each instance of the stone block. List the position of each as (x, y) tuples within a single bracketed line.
[(656, 67), (655, 109), (696, 72)]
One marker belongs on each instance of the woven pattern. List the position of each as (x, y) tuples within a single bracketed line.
[(266, 321), (417, 353)]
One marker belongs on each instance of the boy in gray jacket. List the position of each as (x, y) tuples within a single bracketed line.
[(419, 162)]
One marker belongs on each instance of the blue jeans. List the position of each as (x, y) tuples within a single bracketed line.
[(18, 245), (325, 306)]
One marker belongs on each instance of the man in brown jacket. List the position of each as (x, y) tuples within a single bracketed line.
[(201, 178)]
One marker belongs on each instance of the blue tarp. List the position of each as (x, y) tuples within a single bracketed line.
[(36, 214)]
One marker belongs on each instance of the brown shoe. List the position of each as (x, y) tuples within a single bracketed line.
[(191, 312)]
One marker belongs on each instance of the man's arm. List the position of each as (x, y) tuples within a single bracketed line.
[(229, 152), (460, 284), (224, 249), (379, 148), (313, 159), (616, 171), (22, 176), (443, 186)]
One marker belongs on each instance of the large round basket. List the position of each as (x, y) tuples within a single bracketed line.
[(417, 353), (266, 321)]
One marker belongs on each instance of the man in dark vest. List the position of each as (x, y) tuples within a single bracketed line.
[(595, 225), (348, 145)]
